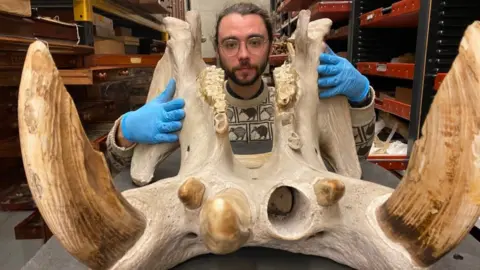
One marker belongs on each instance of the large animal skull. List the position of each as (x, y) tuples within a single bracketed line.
[(218, 204)]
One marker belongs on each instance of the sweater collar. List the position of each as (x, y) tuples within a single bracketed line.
[(257, 94)]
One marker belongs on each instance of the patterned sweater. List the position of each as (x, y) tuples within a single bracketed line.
[(252, 121)]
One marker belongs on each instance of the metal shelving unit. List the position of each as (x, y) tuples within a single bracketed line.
[(123, 11), (382, 42), (100, 84), (381, 30), (441, 27), (399, 15), (293, 5), (334, 10), (337, 10), (390, 70)]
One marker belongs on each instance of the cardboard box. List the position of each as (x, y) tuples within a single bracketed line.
[(123, 31), (109, 46), (103, 26), (100, 20), (134, 41), (103, 32), (403, 95), (16, 7)]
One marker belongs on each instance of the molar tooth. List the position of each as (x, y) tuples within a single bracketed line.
[(210, 88), (294, 141), (328, 191), (285, 78), (191, 193), (221, 122), (225, 221)]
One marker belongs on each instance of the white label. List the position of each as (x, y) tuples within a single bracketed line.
[(135, 60), (381, 67), (369, 17)]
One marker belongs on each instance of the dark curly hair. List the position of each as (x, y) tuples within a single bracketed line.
[(245, 8)]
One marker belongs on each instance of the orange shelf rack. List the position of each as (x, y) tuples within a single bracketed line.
[(334, 10), (390, 105), (294, 5), (337, 34), (399, 15), (392, 70), (390, 162), (137, 60), (438, 80), (277, 60)]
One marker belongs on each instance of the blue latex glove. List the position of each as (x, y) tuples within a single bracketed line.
[(337, 76), (155, 121)]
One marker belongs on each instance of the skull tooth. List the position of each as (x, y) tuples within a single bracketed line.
[(328, 191), (225, 221), (191, 193), (210, 87), (294, 141), (221, 123), (286, 93)]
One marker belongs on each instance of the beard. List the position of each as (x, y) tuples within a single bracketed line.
[(230, 73)]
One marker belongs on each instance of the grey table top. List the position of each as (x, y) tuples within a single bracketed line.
[(53, 256)]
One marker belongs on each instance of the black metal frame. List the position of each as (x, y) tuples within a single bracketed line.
[(422, 91), (353, 31), (365, 43), (85, 30), (475, 232)]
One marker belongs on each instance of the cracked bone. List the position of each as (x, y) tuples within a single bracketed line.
[(217, 204)]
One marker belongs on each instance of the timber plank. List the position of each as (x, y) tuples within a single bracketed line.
[(137, 60), (76, 76), (8, 43)]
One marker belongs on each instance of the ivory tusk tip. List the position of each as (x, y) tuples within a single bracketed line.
[(40, 59), (38, 45)]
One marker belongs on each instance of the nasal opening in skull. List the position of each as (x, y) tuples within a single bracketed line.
[(191, 235), (288, 212)]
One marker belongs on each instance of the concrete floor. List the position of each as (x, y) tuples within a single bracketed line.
[(15, 253)]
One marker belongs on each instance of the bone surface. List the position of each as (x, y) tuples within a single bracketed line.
[(219, 202)]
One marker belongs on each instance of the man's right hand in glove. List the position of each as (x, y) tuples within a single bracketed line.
[(155, 122)]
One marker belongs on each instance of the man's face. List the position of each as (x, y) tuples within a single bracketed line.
[(243, 47)]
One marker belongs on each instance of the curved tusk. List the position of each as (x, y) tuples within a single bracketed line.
[(438, 202), (69, 180)]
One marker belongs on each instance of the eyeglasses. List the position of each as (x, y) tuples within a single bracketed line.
[(254, 45)]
